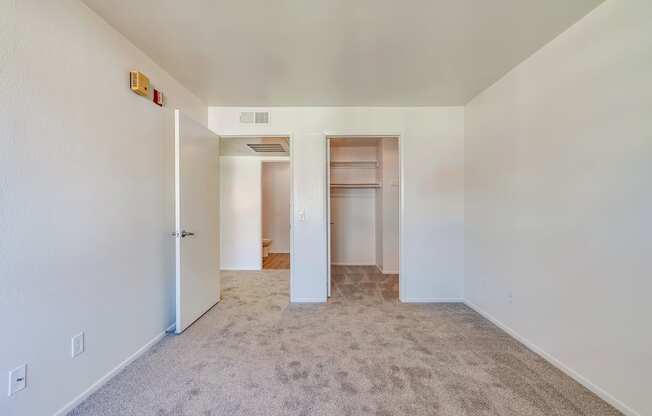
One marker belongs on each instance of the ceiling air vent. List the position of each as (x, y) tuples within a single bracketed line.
[(247, 117), (262, 117), (251, 117), (267, 147)]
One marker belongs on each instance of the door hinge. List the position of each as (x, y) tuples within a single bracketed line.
[(182, 234)]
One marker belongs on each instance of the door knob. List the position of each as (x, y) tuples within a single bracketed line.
[(185, 233)]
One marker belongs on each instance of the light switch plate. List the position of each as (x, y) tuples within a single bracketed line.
[(17, 379), (77, 345)]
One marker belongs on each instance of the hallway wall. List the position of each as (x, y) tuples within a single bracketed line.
[(241, 210), (240, 213)]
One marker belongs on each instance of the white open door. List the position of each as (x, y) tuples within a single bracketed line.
[(196, 220), (328, 210)]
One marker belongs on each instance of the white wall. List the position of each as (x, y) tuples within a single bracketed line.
[(390, 194), (353, 238), (86, 200), (276, 205), (433, 150), (240, 213), (558, 201)]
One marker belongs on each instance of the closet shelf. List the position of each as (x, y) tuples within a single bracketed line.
[(355, 185), (354, 163)]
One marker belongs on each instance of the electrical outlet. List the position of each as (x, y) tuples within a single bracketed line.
[(510, 297), (17, 379), (77, 344)]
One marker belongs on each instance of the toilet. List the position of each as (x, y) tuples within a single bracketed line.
[(266, 244)]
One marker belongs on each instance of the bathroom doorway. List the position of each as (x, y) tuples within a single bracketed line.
[(276, 214)]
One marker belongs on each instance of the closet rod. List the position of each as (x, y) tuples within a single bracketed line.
[(355, 185), (355, 163)]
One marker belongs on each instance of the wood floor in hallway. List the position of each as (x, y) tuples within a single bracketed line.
[(276, 261)]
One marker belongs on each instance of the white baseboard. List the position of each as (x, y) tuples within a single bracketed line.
[(622, 407), (308, 300), (108, 376), (431, 300)]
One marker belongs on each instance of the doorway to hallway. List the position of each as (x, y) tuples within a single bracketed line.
[(256, 202)]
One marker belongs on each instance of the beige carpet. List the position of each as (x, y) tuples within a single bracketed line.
[(361, 354)]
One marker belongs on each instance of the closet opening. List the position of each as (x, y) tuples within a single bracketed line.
[(364, 194)]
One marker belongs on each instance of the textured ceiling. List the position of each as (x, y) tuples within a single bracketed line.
[(339, 52)]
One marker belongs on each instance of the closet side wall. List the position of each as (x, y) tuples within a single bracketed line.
[(388, 222), (379, 212)]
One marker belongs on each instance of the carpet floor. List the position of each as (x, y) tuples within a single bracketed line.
[(363, 353), (362, 283)]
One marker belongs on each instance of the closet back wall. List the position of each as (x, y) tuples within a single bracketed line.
[(354, 227), (353, 238)]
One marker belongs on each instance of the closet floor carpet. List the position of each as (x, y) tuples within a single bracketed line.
[(359, 354), (363, 283)]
